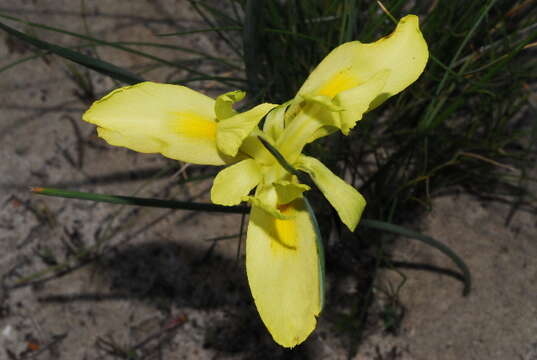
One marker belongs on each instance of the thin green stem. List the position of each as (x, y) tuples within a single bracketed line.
[(137, 201), (399, 230)]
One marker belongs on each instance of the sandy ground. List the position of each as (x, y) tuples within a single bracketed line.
[(164, 287)]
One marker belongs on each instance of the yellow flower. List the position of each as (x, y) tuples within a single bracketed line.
[(283, 251)]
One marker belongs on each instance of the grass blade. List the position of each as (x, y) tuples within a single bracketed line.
[(148, 202), (95, 64), (215, 14), (320, 251), (106, 43), (279, 157), (197, 31), (435, 107), (250, 35), (399, 230)]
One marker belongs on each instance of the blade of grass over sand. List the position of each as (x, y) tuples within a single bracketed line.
[(204, 55), (102, 237), (401, 231), (137, 201), (238, 81), (85, 60), (211, 13), (96, 41), (190, 32), (23, 60), (250, 35), (276, 31)]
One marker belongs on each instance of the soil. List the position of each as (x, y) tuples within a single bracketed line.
[(166, 284)]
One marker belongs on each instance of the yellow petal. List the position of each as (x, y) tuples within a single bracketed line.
[(300, 130), (344, 110), (266, 199), (324, 101), (282, 265), (289, 190), (255, 149), (223, 106), (275, 121), (347, 107), (357, 100), (159, 118), (267, 208), (347, 201), (322, 132), (231, 132), (138, 143), (235, 182), (404, 53)]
